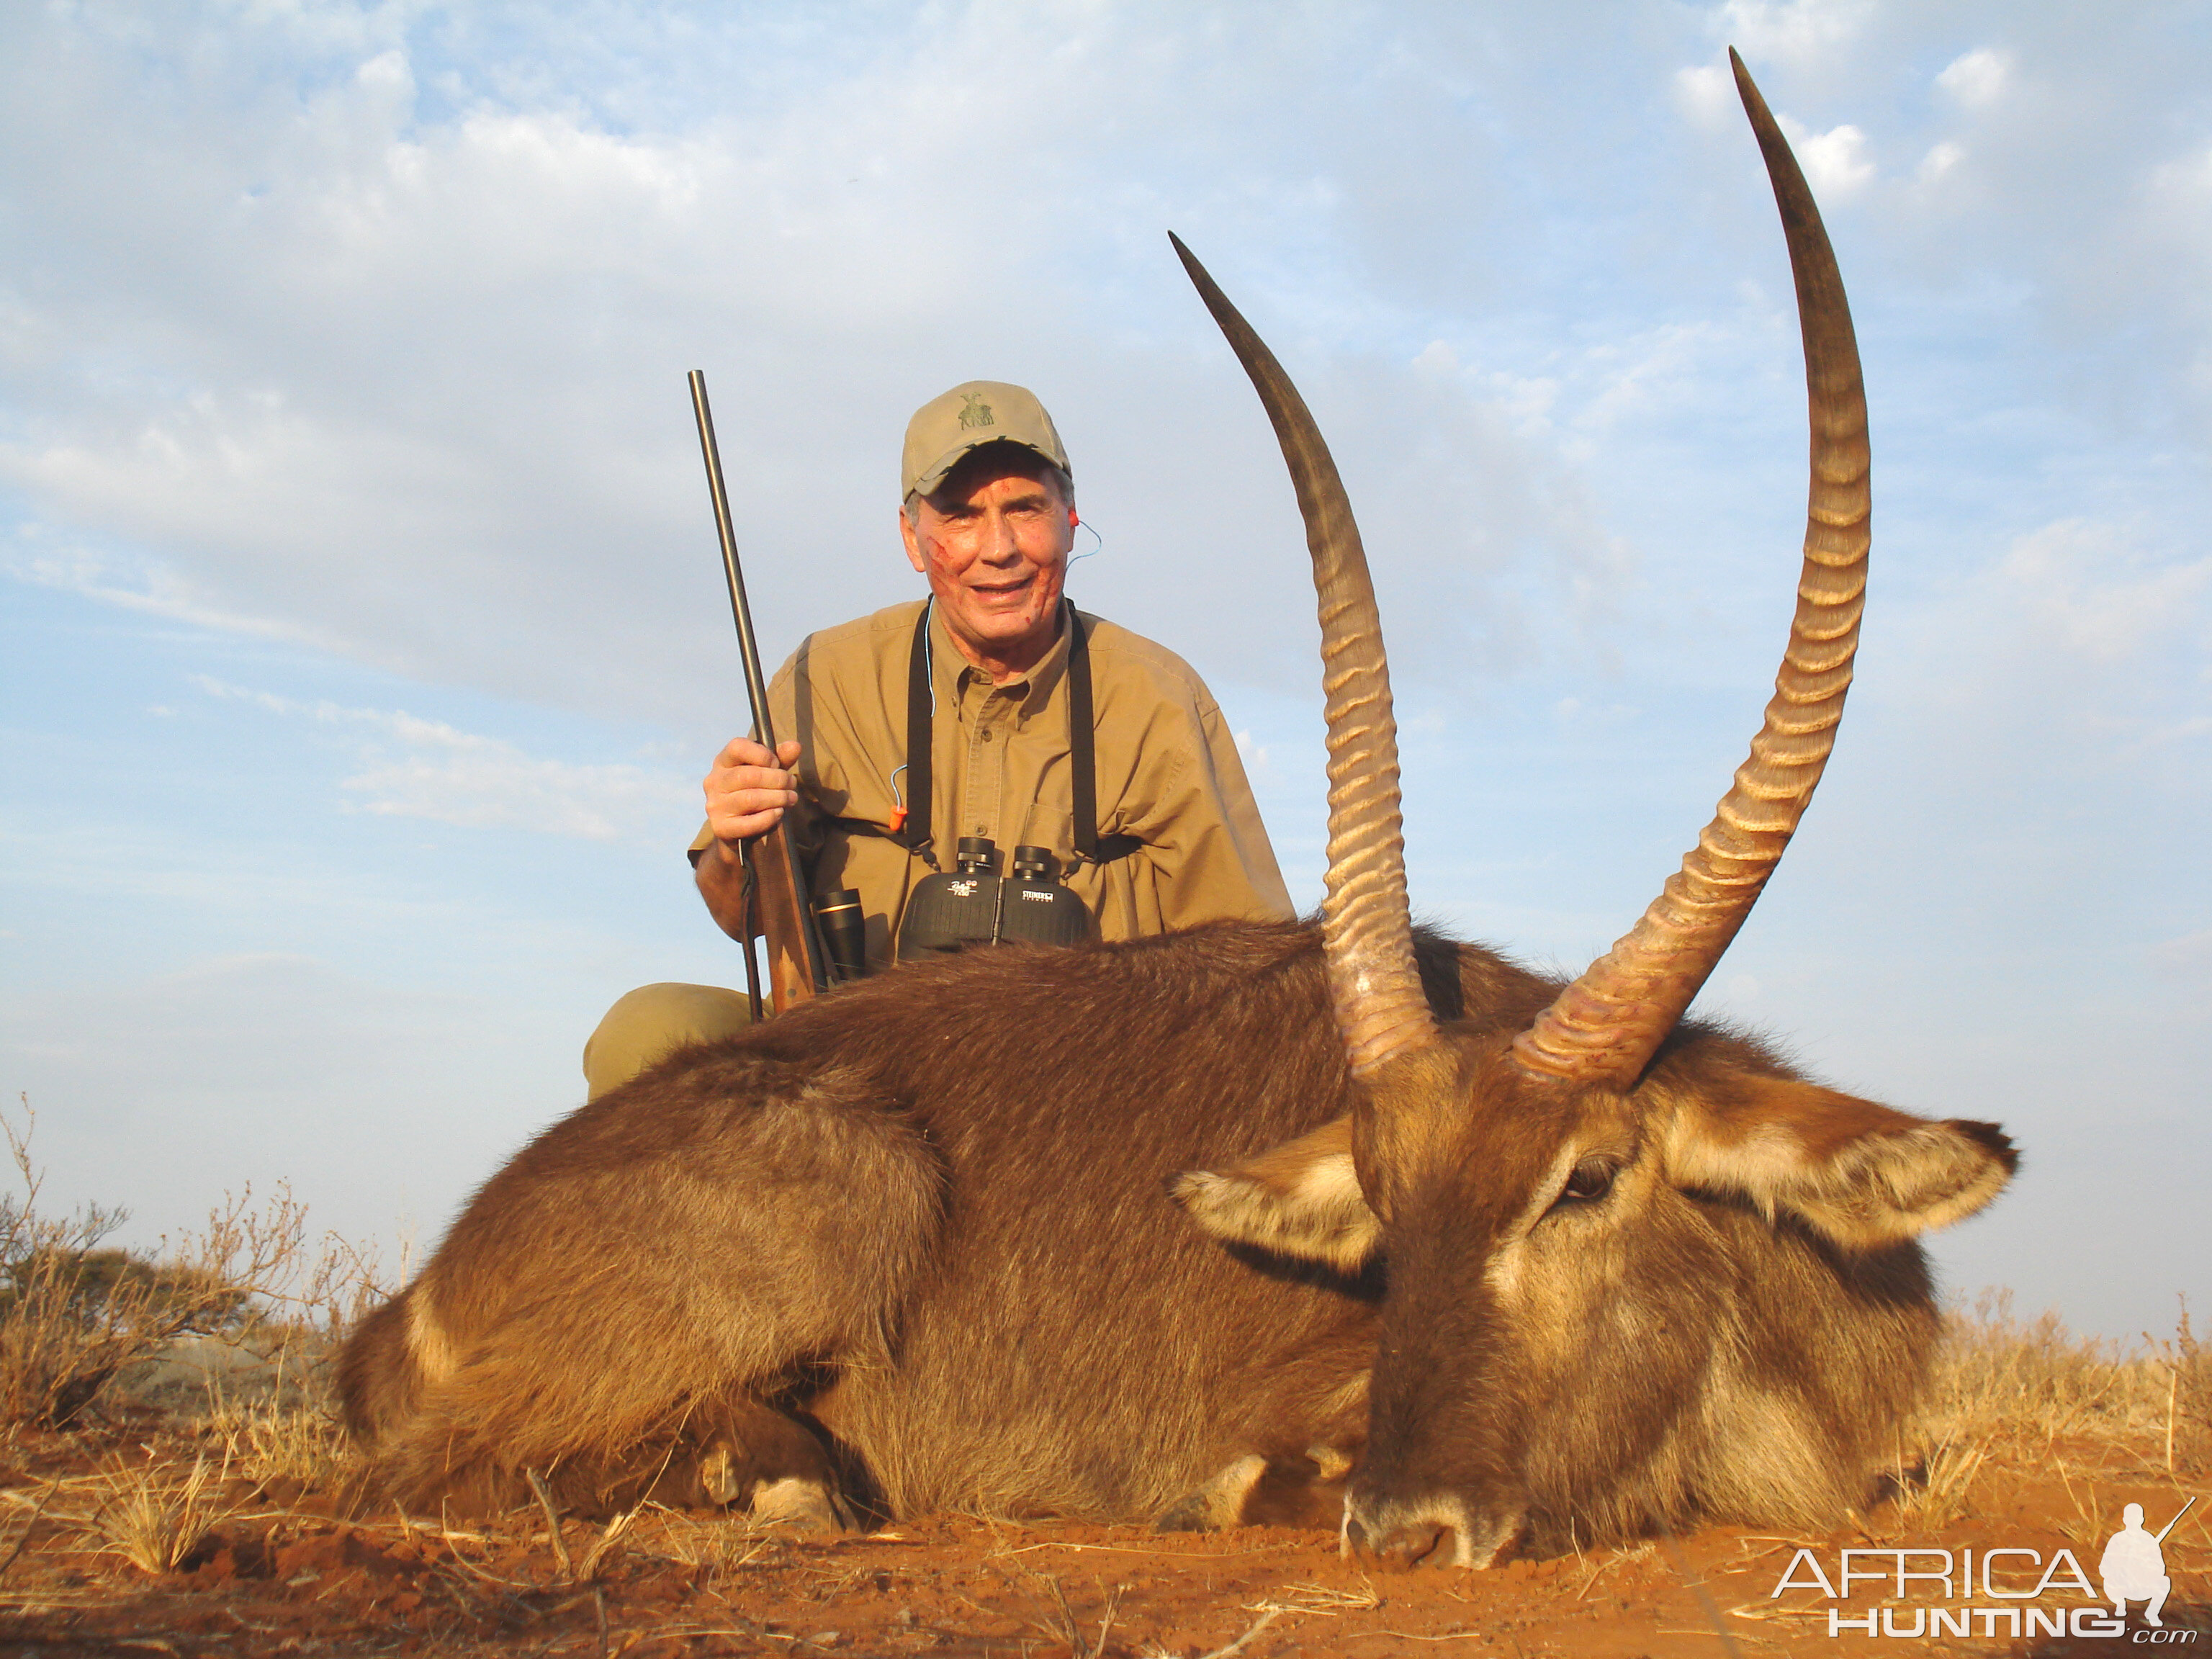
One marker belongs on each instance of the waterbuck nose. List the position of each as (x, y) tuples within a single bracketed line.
[(1409, 1545)]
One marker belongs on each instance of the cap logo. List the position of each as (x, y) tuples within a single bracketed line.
[(975, 412)]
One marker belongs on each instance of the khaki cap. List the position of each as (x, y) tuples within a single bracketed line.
[(967, 417)]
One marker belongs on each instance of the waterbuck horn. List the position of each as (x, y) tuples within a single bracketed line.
[(1374, 986), (1606, 1026)]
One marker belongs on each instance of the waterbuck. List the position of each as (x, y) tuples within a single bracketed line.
[(1247, 1222)]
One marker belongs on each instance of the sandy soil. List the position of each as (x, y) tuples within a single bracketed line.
[(280, 1572)]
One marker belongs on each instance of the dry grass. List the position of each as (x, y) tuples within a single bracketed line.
[(1056, 1619), (151, 1511), (1932, 1494), (283, 1446), (153, 1518), (713, 1546)]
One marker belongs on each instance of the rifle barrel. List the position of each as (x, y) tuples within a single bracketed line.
[(740, 611), (797, 963)]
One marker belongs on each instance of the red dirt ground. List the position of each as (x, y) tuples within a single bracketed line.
[(280, 1574)]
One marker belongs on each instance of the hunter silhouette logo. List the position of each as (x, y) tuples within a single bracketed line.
[(975, 413), (2134, 1564)]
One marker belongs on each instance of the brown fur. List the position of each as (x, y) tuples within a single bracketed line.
[(929, 1213)]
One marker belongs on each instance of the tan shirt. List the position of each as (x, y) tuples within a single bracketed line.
[(1167, 769)]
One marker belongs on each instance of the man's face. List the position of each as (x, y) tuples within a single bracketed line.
[(993, 542)]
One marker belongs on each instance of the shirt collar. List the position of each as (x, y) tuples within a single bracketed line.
[(953, 672)]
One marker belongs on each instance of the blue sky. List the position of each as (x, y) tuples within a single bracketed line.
[(363, 641)]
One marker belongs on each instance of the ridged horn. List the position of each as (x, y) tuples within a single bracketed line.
[(1606, 1026), (1375, 988)]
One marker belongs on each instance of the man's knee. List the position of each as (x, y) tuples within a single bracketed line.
[(654, 1021)]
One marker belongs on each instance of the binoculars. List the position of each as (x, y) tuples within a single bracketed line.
[(976, 906)]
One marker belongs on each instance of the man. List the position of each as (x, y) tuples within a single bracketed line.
[(989, 518)]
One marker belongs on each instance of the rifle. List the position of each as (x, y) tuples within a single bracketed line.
[(2161, 1534), (773, 877)]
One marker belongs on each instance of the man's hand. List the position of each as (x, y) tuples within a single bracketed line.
[(746, 793), (748, 790)]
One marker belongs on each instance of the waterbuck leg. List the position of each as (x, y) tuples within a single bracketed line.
[(746, 1454), (1301, 1490), (736, 1454)]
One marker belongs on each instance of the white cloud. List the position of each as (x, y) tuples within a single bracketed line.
[(1254, 756), (2161, 258), (2189, 954), (2064, 662), (1940, 161), (158, 590), (1835, 161), (414, 768), (1648, 375), (1706, 92), (1976, 79), (1796, 31), (2089, 594), (1437, 358), (480, 783), (361, 339)]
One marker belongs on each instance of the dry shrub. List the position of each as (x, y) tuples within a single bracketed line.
[(76, 1316), (2187, 1370), (2002, 1383), (2006, 1391), (72, 1315)]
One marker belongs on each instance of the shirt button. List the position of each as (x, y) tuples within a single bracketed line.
[(986, 734)]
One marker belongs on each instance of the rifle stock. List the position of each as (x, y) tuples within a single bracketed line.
[(796, 962)]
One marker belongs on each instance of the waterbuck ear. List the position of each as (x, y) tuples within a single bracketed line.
[(1860, 1173), (1301, 1199)]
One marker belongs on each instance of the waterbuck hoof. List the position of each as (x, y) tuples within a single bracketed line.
[(1219, 1502), (791, 1504), (1186, 1514)]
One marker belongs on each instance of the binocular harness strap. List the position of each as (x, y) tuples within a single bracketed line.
[(1081, 757), (916, 833)]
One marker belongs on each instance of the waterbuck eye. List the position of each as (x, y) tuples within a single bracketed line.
[(1592, 1180)]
